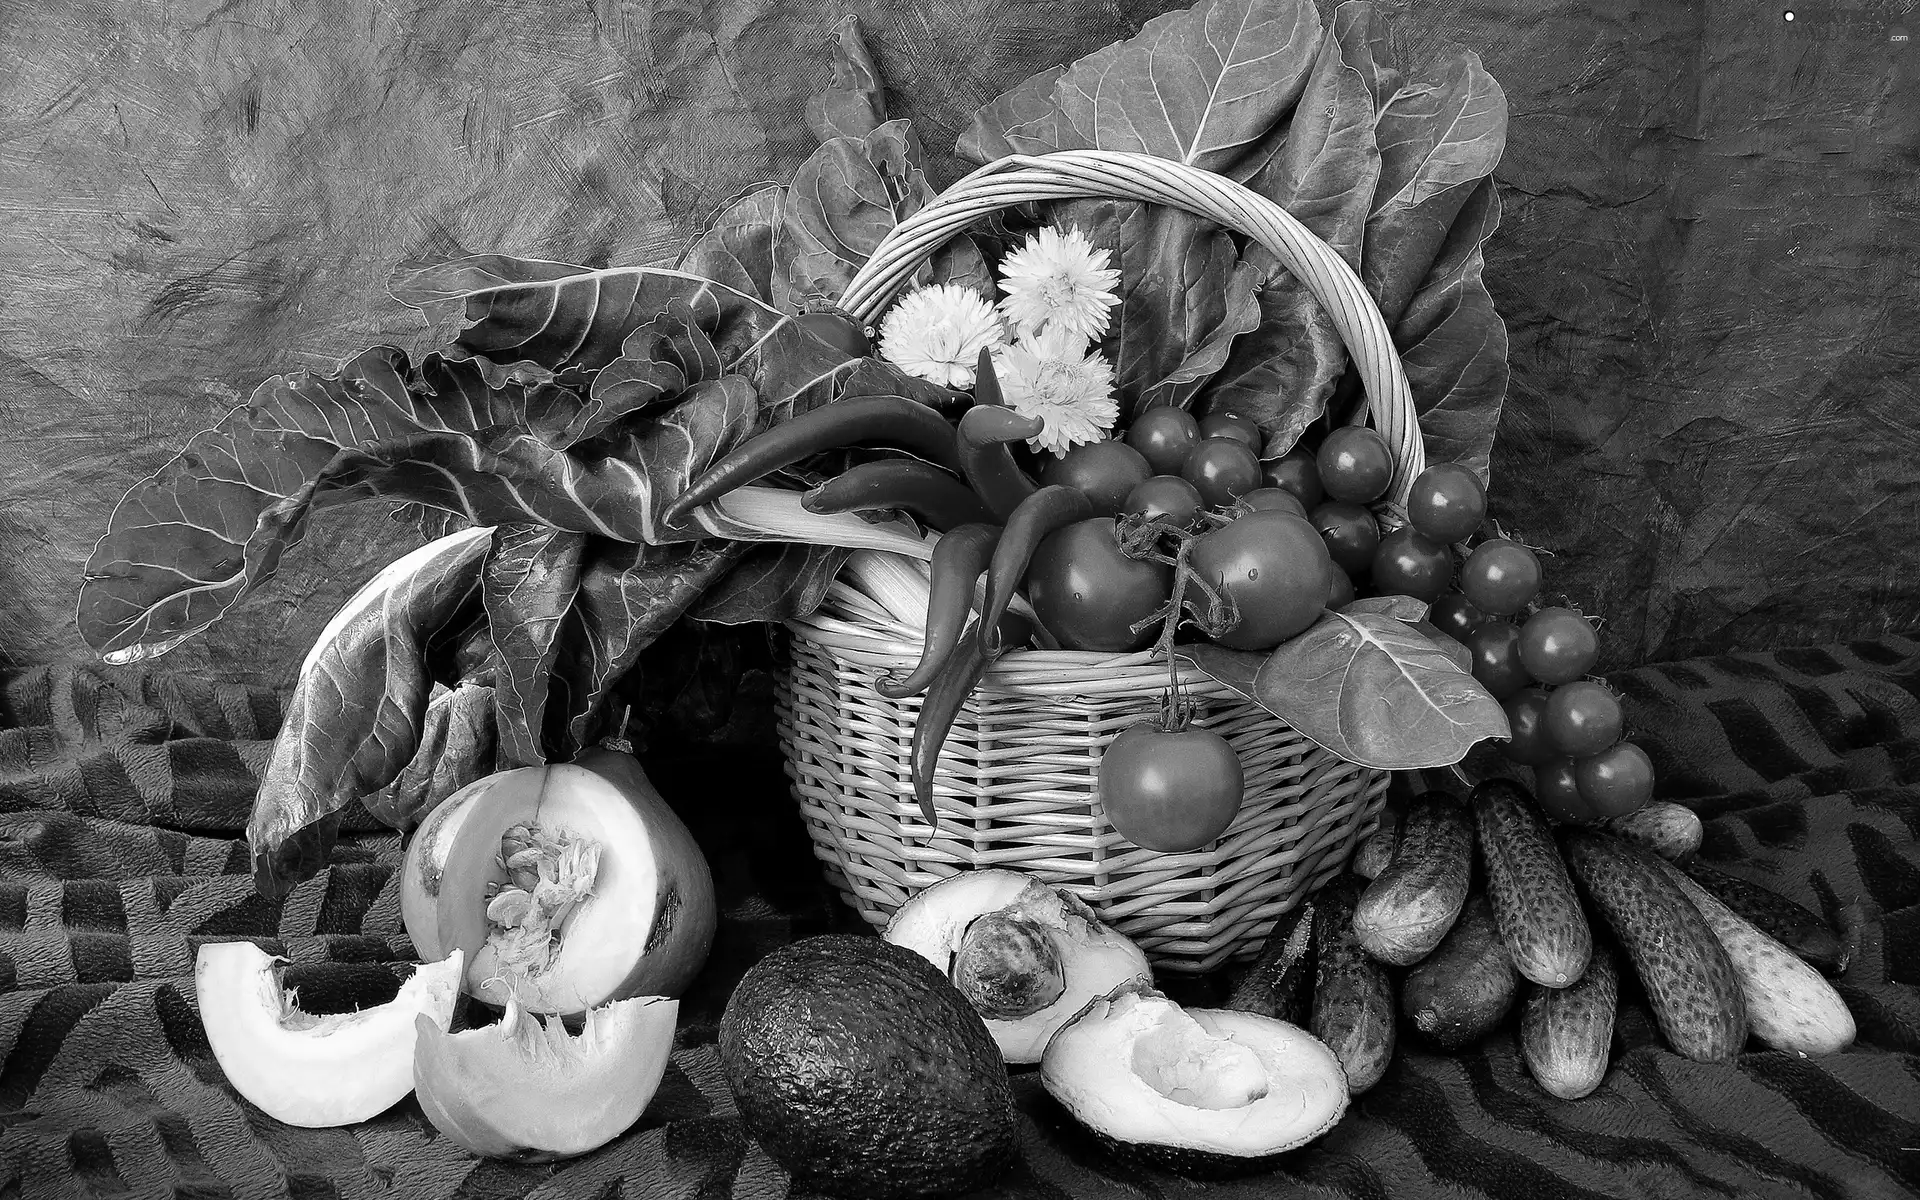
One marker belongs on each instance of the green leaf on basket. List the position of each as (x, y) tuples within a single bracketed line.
[(1366, 687), (527, 584), (852, 104), (1400, 608), (773, 581), (1200, 86), (736, 250), (843, 200)]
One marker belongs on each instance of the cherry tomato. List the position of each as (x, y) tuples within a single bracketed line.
[(1278, 499), (1526, 715), (1165, 436), (1355, 464), (1500, 576), (1342, 593), (1495, 646), (1350, 532), (1409, 563), (1456, 616), (1583, 718), (1558, 645), (1616, 781), (1105, 471), (1447, 502), (1088, 594), (1223, 469), (1170, 790), (1233, 425), (1297, 472), (1276, 569), (1165, 497), (1557, 789), (836, 331)]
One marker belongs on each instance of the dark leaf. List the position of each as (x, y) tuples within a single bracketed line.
[(657, 362), (457, 748), (961, 263), (1024, 120), (852, 105), (358, 709), (527, 586), (772, 582), (1400, 608), (1241, 315), (1283, 372), (843, 200), (1368, 688), (736, 250)]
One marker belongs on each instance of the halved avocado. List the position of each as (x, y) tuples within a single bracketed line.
[(1025, 954), (1201, 1092)]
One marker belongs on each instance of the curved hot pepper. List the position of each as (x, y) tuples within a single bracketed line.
[(891, 420), (908, 484), (958, 559), (983, 438), (1048, 509), (952, 684)]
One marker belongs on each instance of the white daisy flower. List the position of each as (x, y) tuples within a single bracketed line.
[(1057, 377), (1058, 280), (937, 333)]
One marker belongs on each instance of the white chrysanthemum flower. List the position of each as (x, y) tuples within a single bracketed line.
[(937, 333), (1057, 377), (1058, 280)]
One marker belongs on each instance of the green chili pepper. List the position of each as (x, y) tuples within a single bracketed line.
[(1052, 507), (908, 484), (958, 559), (890, 420), (952, 684)]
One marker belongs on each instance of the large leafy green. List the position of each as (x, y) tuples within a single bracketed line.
[(527, 586), (736, 251), (843, 200), (853, 104)]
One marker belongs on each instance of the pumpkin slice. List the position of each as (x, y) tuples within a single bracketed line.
[(314, 1071)]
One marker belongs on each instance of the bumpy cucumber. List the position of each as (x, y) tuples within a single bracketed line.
[(1409, 907), (1464, 989), (1534, 903), (1565, 1033), (1789, 1006), (1280, 982), (1688, 977), (1375, 852), (1794, 927), (1672, 831), (1352, 993)]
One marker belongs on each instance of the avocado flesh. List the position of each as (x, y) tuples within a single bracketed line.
[(864, 1073), (1201, 1092)]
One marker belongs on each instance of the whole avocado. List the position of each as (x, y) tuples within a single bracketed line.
[(865, 1073)]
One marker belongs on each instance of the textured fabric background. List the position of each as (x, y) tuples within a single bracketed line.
[(1710, 258)]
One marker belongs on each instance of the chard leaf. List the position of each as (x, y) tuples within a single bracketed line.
[(628, 595), (736, 251), (1400, 608), (1200, 86), (657, 362), (1241, 315), (774, 581), (456, 747), (527, 585), (1439, 136), (1454, 345), (1283, 372), (843, 200), (1366, 687), (358, 709), (852, 105)]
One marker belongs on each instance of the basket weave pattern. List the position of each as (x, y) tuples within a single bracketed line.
[(1015, 786)]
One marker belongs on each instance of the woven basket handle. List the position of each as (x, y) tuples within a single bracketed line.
[(1123, 175)]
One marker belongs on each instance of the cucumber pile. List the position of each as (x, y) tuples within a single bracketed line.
[(1478, 908)]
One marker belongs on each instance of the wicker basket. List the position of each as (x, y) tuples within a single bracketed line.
[(1015, 785)]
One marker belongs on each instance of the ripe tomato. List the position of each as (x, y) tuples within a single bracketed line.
[(1616, 781), (1495, 646), (1409, 563), (1170, 790), (1165, 436), (1558, 791), (1500, 576), (836, 331), (1583, 718), (1350, 532), (1558, 645), (1447, 502), (1297, 472), (1526, 715), (1105, 471), (1276, 569), (1223, 469), (1167, 498), (1278, 499), (1088, 594), (1355, 464), (1454, 615), (1342, 593), (1233, 425)]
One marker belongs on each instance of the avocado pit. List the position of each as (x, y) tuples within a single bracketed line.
[(1008, 967)]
